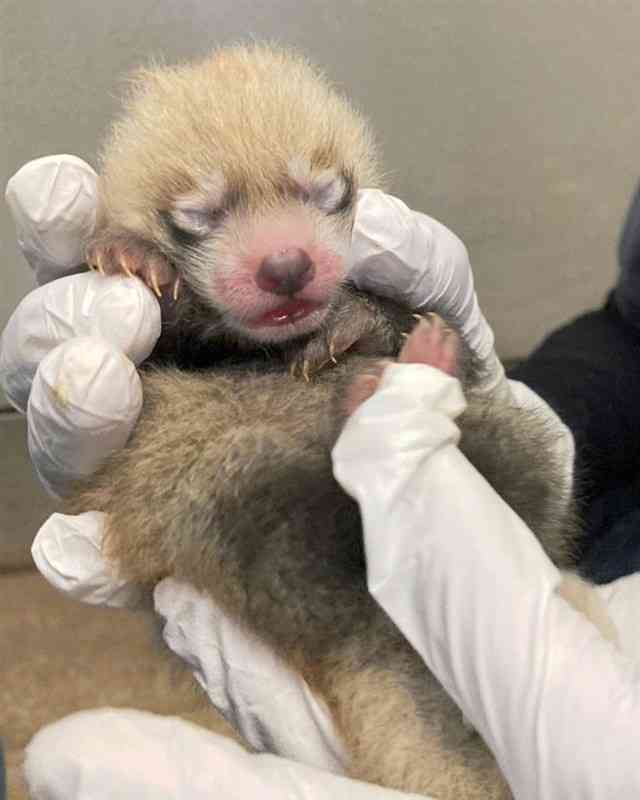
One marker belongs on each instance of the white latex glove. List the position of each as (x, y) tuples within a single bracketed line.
[(472, 590), (69, 351), (413, 258), (100, 755), (270, 706), (53, 204)]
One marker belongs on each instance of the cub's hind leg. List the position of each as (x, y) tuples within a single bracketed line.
[(398, 725)]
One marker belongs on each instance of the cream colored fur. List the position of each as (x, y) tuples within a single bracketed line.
[(246, 111)]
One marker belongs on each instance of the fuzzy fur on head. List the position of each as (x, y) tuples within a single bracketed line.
[(216, 166)]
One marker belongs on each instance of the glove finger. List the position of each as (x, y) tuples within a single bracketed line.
[(53, 204), (119, 310), (106, 753), (85, 401), (414, 259), (388, 250), (409, 256), (269, 704), (67, 551)]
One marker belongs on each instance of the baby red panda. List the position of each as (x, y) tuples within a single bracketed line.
[(230, 187)]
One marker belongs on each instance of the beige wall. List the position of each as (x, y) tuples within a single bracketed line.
[(516, 123)]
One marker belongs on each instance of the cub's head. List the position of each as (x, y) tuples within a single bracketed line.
[(237, 178)]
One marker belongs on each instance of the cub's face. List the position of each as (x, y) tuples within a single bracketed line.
[(268, 258), (238, 177)]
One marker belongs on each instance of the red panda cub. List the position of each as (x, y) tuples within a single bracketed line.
[(229, 186)]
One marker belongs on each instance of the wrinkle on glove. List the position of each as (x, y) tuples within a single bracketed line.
[(472, 590), (271, 706), (67, 551), (85, 400), (108, 753), (53, 202), (404, 254), (120, 310)]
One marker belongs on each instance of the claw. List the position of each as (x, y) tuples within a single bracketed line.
[(420, 317), (332, 356), (404, 335), (176, 288), (124, 263), (154, 281), (305, 371), (99, 263)]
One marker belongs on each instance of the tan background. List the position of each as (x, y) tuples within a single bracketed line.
[(516, 123)]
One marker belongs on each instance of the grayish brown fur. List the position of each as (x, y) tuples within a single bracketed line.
[(227, 483)]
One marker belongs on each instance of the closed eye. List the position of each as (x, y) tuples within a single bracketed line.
[(200, 213), (332, 193), (198, 221), (348, 194)]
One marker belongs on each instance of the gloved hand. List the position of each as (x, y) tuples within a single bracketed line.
[(107, 753), (268, 704), (413, 258), (69, 351), (472, 590)]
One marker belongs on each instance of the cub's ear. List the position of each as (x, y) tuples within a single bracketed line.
[(122, 255)]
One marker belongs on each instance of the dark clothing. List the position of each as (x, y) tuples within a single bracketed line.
[(628, 289), (589, 373)]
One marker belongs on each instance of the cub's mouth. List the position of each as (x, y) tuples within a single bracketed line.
[(288, 320), (289, 313)]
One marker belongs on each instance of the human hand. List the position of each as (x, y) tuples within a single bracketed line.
[(69, 352), (97, 755), (468, 584), (267, 703), (414, 259)]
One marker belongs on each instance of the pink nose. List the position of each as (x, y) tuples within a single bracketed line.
[(286, 272)]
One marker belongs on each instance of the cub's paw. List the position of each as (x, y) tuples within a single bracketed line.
[(431, 342), (120, 257)]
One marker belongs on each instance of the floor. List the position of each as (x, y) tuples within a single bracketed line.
[(58, 656)]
